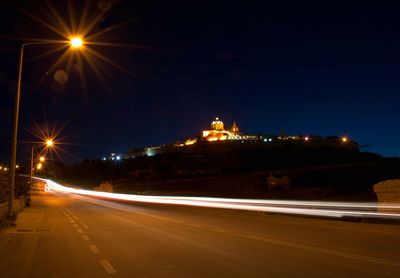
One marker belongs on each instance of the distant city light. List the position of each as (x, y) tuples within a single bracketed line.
[(104, 158), (39, 166), (118, 157), (42, 158), (344, 139), (306, 138)]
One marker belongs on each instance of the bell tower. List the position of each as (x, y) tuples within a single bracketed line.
[(235, 128)]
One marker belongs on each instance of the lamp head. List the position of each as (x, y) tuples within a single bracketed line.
[(76, 42), (49, 143)]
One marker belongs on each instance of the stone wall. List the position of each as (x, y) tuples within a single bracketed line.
[(104, 187), (388, 193), (19, 204)]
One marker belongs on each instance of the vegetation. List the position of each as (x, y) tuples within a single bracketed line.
[(21, 186)]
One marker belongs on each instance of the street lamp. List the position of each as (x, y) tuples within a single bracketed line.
[(48, 144), (75, 42)]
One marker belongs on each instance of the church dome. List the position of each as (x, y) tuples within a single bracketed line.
[(217, 124)]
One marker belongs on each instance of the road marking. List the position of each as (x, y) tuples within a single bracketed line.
[(107, 266), (79, 231), (72, 221), (94, 249), (85, 237), (80, 222), (77, 219), (75, 225)]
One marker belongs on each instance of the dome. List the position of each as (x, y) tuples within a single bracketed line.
[(217, 124)]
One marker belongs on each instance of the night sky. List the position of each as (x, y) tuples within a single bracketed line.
[(304, 69)]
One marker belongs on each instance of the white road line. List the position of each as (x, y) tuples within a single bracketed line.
[(94, 249), (85, 237), (80, 222), (77, 219), (107, 266), (79, 231)]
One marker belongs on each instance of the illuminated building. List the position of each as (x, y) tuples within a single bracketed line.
[(234, 138), (190, 141), (218, 132), (217, 125), (235, 128)]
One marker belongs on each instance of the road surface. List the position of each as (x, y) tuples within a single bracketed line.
[(67, 235)]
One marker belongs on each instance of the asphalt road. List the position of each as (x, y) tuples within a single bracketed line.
[(64, 235)]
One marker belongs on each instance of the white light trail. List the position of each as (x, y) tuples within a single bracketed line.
[(310, 208)]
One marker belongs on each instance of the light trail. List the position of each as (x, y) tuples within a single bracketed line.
[(310, 208)]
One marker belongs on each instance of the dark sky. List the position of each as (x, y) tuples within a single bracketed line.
[(325, 69)]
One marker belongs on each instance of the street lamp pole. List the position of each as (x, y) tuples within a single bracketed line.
[(30, 178), (75, 42), (49, 143), (15, 134)]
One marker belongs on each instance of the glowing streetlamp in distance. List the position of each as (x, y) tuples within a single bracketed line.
[(344, 139), (76, 42), (41, 158), (39, 166), (49, 143)]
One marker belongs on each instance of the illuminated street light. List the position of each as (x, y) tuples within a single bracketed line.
[(344, 139), (76, 42), (49, 143)]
